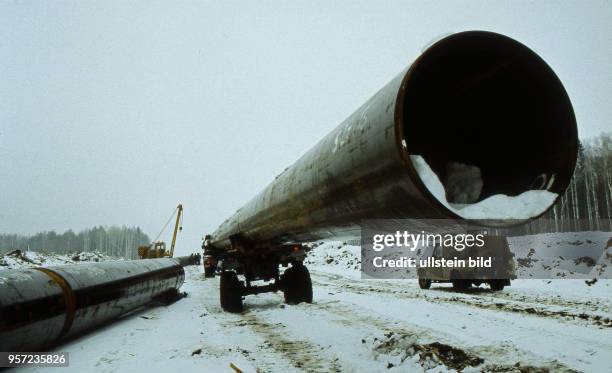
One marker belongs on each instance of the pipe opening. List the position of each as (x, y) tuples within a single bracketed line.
[(489, 117)]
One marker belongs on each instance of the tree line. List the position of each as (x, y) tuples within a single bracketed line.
[(587, 202), (119, 242)]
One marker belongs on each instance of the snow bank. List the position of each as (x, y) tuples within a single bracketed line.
[(569, 255), (563, 255), (20, 259), (603, 267), (335, 256), (526, 205)]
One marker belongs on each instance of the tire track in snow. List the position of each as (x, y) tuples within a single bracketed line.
[(584, 304), (268, 361), (303, 355), (354, 315), (469, 300)]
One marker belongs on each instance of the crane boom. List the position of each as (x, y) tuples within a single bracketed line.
[(177, 226)]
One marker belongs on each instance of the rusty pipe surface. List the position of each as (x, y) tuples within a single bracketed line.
[(42, 306), (476, 98)]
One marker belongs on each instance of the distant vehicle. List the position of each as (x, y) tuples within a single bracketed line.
[(209, 262), (210, 266), (497, 277), (157, 249)]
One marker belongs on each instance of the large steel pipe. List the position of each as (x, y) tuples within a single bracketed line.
[(475, 98), (41, 306)]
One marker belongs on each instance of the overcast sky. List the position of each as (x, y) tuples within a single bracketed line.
[(112, 112)]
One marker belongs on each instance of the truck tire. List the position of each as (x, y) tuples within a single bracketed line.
[(497, 285), (230, 292), (424, 283), (297, 285)]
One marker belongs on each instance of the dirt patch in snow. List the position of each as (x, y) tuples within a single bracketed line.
[(404, 347), (399, 348), (303, 355)]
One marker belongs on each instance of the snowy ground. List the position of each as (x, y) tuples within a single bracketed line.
[(356, 325)]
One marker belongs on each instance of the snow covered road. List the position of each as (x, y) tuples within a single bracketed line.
[(364, 326)]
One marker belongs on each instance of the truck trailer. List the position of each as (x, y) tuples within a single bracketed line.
[(475, 98)]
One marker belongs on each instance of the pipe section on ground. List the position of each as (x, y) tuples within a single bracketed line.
[(42, 306)]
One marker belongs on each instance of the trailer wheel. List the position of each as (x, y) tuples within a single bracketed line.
[(424, 283), (297, 285), (230, 292), (497, 285)]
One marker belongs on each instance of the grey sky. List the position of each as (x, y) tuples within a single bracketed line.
[(112, 112)]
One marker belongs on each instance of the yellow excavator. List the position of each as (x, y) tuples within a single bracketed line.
[(157, 249)]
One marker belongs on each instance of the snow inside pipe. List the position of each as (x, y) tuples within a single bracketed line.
[(42, 306), (477, 127)]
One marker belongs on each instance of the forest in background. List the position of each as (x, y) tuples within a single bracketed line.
[(113, 241), (587, 202)]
